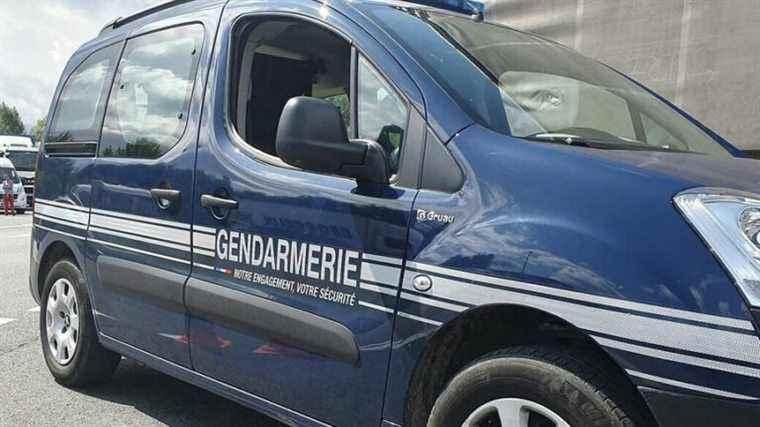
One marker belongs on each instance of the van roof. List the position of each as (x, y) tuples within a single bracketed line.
[(119, 21), (462, 6)]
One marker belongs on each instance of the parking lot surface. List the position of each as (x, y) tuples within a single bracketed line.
[(137, 395)]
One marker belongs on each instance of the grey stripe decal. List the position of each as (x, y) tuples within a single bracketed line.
[(380, 274), (376, 307), (435, 303), (63, 205), (59, 232), (142, 219), (139, 251), (60, 221), (379, 289), (204, 241), (419, 319), (380, 258), (63, 214), (730, 345), (203, 229), (680, 384), (142, 229), (680, 358), (579, 296), (200, 251), (141, 239)]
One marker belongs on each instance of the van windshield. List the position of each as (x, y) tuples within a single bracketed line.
[(9, 172), (23, 160), (528, 87)]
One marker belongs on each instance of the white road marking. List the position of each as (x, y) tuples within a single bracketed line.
[(34, 309), (4, 321)]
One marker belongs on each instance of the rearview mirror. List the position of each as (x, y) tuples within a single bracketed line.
[(311, 135)]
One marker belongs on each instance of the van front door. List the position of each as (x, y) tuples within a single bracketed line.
[(296, 274), (139, 251)]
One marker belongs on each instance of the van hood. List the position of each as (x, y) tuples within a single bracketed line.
[(694, 170)]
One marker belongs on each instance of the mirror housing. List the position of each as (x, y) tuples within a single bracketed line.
[(311, 135)]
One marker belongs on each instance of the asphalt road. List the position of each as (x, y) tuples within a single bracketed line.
[(137, 395)]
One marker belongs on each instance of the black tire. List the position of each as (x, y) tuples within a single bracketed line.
[(91, 363), (562, 381)]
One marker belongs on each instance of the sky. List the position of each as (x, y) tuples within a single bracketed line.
[(37, 37)]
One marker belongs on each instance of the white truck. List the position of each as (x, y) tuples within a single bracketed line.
[(22, 141), (25, 161), (19, 195)]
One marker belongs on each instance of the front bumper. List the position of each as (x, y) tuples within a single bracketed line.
[(678, 410), (20, 201)]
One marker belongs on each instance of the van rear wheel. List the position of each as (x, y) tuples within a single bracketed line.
[(534, 387), (70, 344)]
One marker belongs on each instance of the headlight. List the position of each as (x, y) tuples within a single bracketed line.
[(729, 222), (750, 223)]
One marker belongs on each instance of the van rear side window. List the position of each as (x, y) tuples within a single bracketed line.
[(80, 106), (150, 99)]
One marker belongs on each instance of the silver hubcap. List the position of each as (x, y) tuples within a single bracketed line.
[(514, 413), (62, 321)]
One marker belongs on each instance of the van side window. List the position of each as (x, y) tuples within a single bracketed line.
[(79, 112), (382, 114), (277, 59), (150, 99)]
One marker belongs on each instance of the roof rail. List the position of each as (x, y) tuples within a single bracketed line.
[(118, 22)]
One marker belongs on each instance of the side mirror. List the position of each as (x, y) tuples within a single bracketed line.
[(311, 135)]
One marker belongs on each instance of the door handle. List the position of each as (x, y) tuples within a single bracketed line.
[(165, 197), (209, 201)]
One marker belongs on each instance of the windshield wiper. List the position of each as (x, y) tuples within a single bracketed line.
[(603, 144), (561, 138)]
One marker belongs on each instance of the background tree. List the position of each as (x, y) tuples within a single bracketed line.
[(10, 120), (38, 128)]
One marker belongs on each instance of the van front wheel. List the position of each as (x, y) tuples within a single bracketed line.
[(534, 387), (67, 330)]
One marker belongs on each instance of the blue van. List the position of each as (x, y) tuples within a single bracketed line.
[(374, 212)]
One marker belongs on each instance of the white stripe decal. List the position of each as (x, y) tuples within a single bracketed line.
[(706, 340), (141, 239), (63, 205), (376, 307), (381, 274), (204, 252), (203, 229), (60, 221), (680, 358), (579, 296), (140, 251), (380, 258), (61, 213), (207, 267), (142, 218), (435, 303), (42, 227), (688, 386), (204, 241), (379, 289), (147, 230), (419, 319)]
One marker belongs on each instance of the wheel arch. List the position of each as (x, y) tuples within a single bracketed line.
[(53, 250), (481, 330)]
